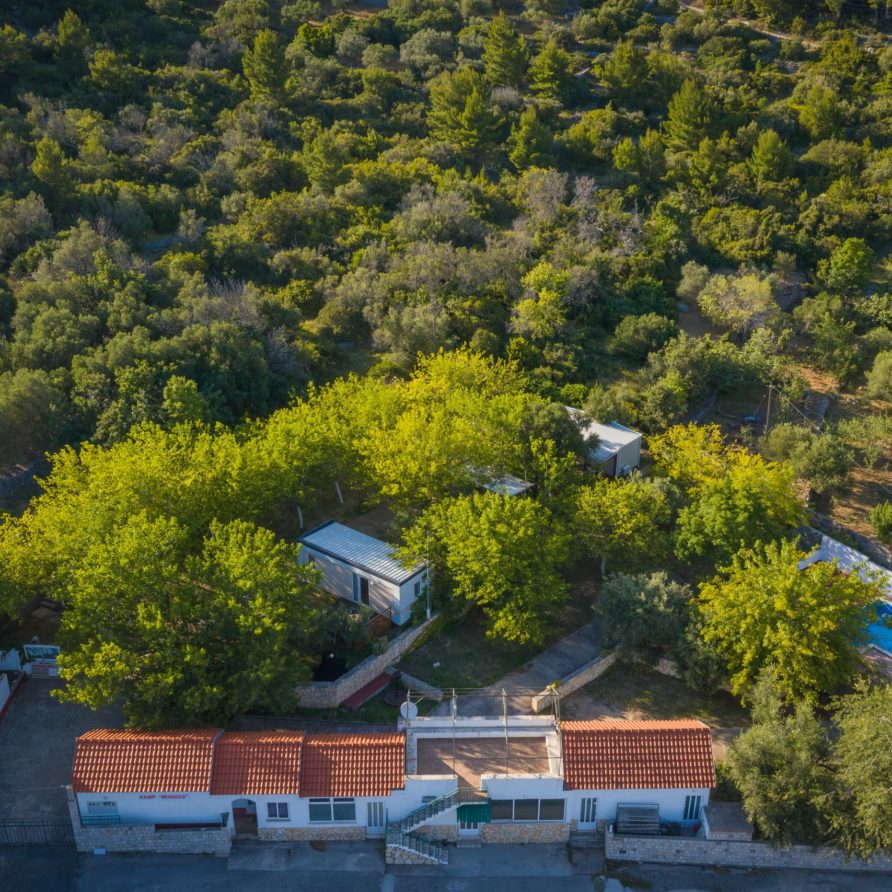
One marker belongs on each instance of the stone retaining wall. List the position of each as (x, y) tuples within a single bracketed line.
[(330, 694), (437, 832), (525, 833), (416, 685), (283, 834), (720, 853), (573, 682), (394, 855), (145, 838)]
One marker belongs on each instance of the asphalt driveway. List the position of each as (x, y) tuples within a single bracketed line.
[(37, 737)]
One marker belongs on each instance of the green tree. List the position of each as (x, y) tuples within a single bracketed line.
[(645, 158), (770, 159), (34, 412), (643, 612), (863, 752), (625, 72), (51, 168), (501, 553), (182, 402), (763, 611), (881, 521), (264, 66), (752, 501), (14, 49), (849, 267), (690, 118), (552, 72), (879, 378), (743, 302), (460, 112), (505, 54), (822, 460), (188, 639), (71, 43), (531, 141), (781, 766), (623, 522)]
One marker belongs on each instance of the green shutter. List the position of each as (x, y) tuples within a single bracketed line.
[(475, 813)]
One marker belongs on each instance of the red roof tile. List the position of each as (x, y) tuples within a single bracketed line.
[(352, 764), (614, 754), (117, 761), (257, 763)]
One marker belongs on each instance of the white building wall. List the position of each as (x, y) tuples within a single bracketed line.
[(629, 455), (159, 808), (671, 802), (337, 578)]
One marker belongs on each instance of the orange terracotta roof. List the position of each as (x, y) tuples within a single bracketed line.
[(118, 761), (257, 762), (352, 764), (614, 754)]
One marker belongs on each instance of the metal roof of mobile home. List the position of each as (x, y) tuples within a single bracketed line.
[(360, 551), (612, 436)]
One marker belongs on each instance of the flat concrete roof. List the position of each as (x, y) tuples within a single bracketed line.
[(471, 757)]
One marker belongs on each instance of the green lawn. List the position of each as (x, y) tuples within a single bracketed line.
[(460, 655), (638, 691)]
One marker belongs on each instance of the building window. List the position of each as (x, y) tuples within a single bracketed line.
[(691, 808), (277, 811), (376, 815), (331, 810), (527, 809)]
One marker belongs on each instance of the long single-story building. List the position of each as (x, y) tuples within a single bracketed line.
[(521, 779), (364, 570), (618, 451)]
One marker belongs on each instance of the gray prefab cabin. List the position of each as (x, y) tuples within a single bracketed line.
[(619, 447), (364, 570)]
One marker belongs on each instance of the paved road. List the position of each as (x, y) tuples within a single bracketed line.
[(562, 658), (359, 867), (37, 737)]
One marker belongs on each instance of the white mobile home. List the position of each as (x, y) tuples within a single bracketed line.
[(619, 447), (364, 570)]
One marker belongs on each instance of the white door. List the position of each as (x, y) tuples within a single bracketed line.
[(588, 813)]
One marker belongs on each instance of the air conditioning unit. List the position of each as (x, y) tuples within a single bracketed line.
[(625, 470)]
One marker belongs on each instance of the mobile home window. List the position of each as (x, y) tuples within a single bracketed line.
[(277, 811)]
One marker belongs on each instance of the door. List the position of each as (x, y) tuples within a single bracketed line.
[(468, 828), (588, 813), (360, 589)]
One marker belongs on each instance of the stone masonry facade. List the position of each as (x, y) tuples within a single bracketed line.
[(396, 855), (282, 834), (145, 838), (722, 853)]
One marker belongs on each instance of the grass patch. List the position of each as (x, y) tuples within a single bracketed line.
[(638, 691), (461, 656)]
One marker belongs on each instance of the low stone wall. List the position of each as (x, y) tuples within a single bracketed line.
[(145, 838), (573, 682), (721, 853), (437, 832), (330, 694), (283, 834), (394, 855), (416, 685), (525, 833)]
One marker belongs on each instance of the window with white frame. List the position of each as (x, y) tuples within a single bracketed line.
[(277, 811), (332, 810), (691, 808), (527, 809), (376, 815)]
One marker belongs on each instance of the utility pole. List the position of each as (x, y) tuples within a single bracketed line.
[(505, 719), (768, 411)]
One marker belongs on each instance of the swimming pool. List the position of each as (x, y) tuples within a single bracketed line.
[(879, 634)]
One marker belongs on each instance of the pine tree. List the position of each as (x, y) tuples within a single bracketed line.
[(552, 72), (460, 112), (264, 66), (72, 40), (505, 54), (690, 117), (771, 159), (625, 72), (531, 141), (51, 168)]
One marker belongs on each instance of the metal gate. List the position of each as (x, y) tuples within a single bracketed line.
[(36, 832)]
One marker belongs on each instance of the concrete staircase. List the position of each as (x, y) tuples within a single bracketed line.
[(587, 839)]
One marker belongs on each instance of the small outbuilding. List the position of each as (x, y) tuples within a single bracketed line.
[(509, 485), (364, 570), (618, 451)]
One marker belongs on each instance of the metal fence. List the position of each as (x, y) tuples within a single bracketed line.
[(36, 832)]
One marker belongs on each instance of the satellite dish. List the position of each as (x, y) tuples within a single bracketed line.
[(408, 710)]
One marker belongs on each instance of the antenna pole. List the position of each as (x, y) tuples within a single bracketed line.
[(505, 719), (768, 411)]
